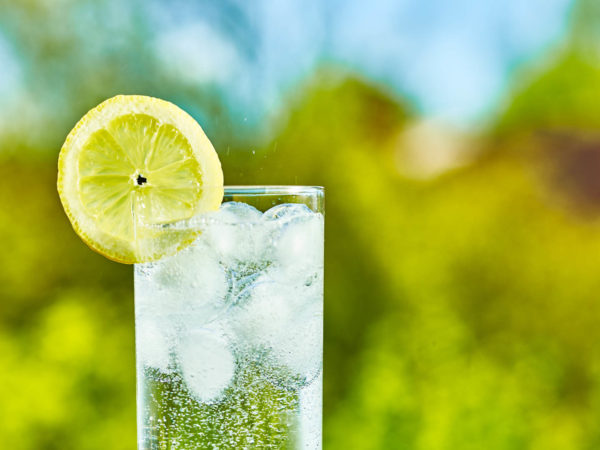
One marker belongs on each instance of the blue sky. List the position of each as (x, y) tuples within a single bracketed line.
[(10, 72), (451, 58)]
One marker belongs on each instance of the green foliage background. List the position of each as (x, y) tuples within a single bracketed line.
[(462, 310)]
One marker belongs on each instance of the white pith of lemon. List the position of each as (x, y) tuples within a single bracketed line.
[(131, 163)]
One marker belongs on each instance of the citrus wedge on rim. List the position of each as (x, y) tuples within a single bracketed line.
[(130, 165)]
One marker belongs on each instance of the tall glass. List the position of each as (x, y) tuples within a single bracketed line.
[(229, 330)]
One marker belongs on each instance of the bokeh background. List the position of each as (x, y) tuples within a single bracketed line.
[(459, 144)]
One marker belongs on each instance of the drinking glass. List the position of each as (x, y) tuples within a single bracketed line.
[(229, 330)]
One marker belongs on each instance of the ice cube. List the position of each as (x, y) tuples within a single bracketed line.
[(191, 285), (305, 284), (203, 284), (296, 238), (287, 211), (283, 320), (152, 342), (237, 212), (206, 362), (233, 233), (300, 346), (145, 289), (301, 241), (262, 312)]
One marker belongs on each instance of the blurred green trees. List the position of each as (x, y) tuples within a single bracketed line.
[(461, 311), (66, 336)]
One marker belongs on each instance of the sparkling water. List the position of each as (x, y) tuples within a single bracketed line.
[(229, 334)]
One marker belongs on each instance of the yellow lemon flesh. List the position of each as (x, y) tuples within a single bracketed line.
[(130, 165)]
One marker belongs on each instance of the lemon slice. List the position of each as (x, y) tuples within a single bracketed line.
[(130, 165)]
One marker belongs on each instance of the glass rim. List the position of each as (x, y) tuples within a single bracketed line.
[(272, 189)]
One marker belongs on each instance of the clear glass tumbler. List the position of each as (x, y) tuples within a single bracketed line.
[(229, 331)]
